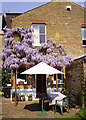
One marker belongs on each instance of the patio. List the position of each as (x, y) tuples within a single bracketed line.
[(29, 110)]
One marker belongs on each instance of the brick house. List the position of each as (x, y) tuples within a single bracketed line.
[(2, 22), (9, 17), (63, 22)]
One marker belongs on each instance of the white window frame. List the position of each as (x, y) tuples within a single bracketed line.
[(37, 43), (83, 38)]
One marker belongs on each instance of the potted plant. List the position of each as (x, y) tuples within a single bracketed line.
[(70, 73), (21, 82), (22, 97), (30, 97), (13, 96)]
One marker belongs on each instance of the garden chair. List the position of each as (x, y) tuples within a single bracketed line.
[(62, 103)]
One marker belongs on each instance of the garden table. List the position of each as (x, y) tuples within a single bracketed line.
[(53, 96), (57, 98)]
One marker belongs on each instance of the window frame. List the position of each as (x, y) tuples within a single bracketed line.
[(39, 34), (83, 37), (61, 75)]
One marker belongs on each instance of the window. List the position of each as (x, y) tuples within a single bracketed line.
[(68, 8), (83, 36), (60, 77), (39, 34)]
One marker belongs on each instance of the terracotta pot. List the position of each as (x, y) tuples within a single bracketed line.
[(70, 74), (22, 98), (20, 83), (13, 98), (30, 99)]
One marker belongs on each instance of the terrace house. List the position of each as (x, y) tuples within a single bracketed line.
[(63, 22)]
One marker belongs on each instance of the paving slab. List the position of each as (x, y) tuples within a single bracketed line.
[(29, 109)]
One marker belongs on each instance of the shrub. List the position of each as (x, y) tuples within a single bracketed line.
[(1, 93), (13, 94), (65, 92), (30, 96), (22, 95), (82, 112)]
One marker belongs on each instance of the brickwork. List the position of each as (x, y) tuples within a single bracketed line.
[(1, 46), (62, 26), (9, 17), (75, 82)]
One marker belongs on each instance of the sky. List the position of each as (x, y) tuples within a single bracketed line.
[(22, 6)]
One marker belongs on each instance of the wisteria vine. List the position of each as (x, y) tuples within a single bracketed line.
[(23, 52)]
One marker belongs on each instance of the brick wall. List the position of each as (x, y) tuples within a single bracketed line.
[(9, 17), (62, 26), (75, 82), (1, 46)]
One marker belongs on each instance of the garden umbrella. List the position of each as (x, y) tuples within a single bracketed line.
[(42, 68)]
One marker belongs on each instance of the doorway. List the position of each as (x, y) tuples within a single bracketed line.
[(39, 84)]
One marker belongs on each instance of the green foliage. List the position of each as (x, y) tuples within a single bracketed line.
[(20, 81), (82, 112), (13, 94), (19, 25), (69, 71), (5, 77), (30, 96), (73, 116), (83, 97), (22, 95), (65, 92), (1, 93)]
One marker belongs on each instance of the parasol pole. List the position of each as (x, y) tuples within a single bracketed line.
[(15, 88), (42, 113), (56, 82)]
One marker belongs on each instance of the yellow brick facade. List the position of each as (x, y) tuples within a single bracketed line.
[(62, 26)]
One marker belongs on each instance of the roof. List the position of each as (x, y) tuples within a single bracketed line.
[(80, 57), (54, 1), (13, 13)]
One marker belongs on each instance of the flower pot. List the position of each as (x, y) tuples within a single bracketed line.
[(22, 98), (13, 99), (70, 74), (30, 99), (20, 83)]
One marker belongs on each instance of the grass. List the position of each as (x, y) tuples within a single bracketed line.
[(73, 116)]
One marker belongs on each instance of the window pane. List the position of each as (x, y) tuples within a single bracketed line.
[(84, 42), (42, 38), (83, 33), (42, 29), (59, 76), (54, 77)]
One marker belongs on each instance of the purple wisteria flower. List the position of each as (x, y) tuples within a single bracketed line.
[(23, 52)]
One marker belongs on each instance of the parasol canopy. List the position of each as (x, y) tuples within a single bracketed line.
[(42, 68)]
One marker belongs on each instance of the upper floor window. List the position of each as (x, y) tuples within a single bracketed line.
[(68, 8), (83, 36), (39, 34)]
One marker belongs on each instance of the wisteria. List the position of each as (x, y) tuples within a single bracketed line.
[(23, 52)]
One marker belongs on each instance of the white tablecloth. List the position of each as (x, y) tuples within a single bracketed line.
[(53, 96)]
